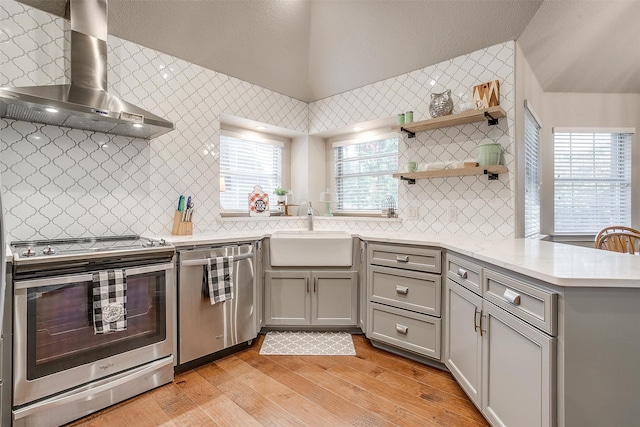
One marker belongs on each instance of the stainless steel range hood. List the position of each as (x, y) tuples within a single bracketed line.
[(85, 103)]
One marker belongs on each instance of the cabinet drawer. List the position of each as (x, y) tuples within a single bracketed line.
[(407, 257), (465, 273), (531, 304), (411, 331), (411, 290)]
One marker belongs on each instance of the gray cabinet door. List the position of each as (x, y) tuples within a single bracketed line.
[(334, 298), (287, 298), (463, 344), (518, 371)]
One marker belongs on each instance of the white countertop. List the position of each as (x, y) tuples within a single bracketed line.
[(555, 263), (213, 238)]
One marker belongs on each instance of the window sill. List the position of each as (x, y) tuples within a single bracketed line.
[(357, 218), (247, 218), (366, 214), (573, 237)]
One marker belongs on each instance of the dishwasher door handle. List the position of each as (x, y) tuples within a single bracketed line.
[(196, 262)]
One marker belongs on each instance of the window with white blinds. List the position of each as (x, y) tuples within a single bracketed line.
[(592, 179), (363, 173), (531, 175), (245, 163)]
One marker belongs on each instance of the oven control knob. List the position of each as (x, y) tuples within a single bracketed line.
[(150, 244), (28, 252), (163, 242), (49, 251)]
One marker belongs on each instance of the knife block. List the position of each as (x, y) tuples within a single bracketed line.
[(181, 228)]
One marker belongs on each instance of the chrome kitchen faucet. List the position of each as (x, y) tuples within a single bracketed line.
[(310, 217)]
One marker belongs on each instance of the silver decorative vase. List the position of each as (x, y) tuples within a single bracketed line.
[(441, 104)]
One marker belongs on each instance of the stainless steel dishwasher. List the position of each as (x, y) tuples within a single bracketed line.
[(204, 329)]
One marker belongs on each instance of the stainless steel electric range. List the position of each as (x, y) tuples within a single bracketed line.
[(63, 369)]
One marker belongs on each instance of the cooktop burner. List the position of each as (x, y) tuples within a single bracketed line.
[(44, 258), (86, 245)]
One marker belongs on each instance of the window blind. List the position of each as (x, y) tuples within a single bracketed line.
[(245, 163), (592, 180), (531, 175), (363, 174)]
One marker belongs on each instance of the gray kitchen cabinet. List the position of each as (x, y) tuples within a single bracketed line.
[(410, 290), (310, 298), (404, 299), (405, 329), (505, 364), (518, 367), (287, 298), (334, 298), (405, 257), (463, 343)]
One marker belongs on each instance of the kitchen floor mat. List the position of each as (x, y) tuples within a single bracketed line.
[(308, 344)]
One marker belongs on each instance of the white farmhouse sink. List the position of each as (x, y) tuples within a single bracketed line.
[(311, 249)]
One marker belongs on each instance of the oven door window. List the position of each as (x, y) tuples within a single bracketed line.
[(60, 324)]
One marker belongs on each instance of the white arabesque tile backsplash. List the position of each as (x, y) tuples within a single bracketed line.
[(469, 205), (59, 182)]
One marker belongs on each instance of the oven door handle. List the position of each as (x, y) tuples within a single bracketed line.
[(149, 269), (76, 278)]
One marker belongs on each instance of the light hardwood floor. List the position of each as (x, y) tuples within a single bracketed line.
[(373, 388)]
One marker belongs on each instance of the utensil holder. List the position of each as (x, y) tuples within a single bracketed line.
[(181, 228)]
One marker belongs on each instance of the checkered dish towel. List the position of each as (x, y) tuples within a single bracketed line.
[(220, 278), (109, 301)]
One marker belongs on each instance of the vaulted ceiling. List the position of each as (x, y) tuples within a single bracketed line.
[(311, 49)]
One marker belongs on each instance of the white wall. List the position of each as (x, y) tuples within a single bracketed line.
[(299, 168), (308, 169)]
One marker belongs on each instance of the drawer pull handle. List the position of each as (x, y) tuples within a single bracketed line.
[(511, 297), (402, 258), (402, 329), (462, 273), (404, 290)]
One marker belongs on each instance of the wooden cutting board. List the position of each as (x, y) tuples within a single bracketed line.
[(486, 95)]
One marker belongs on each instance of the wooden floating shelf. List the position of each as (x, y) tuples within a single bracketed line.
[(492, 114), (491, 171)]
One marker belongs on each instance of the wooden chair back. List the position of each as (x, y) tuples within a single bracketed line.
[(613, 229), (620, 242)]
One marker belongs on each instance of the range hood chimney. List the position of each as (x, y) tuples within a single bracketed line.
[(85, 103)]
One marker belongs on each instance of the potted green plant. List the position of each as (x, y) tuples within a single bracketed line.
[(281, 193)]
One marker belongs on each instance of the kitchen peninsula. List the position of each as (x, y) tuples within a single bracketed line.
[(598, 301)]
